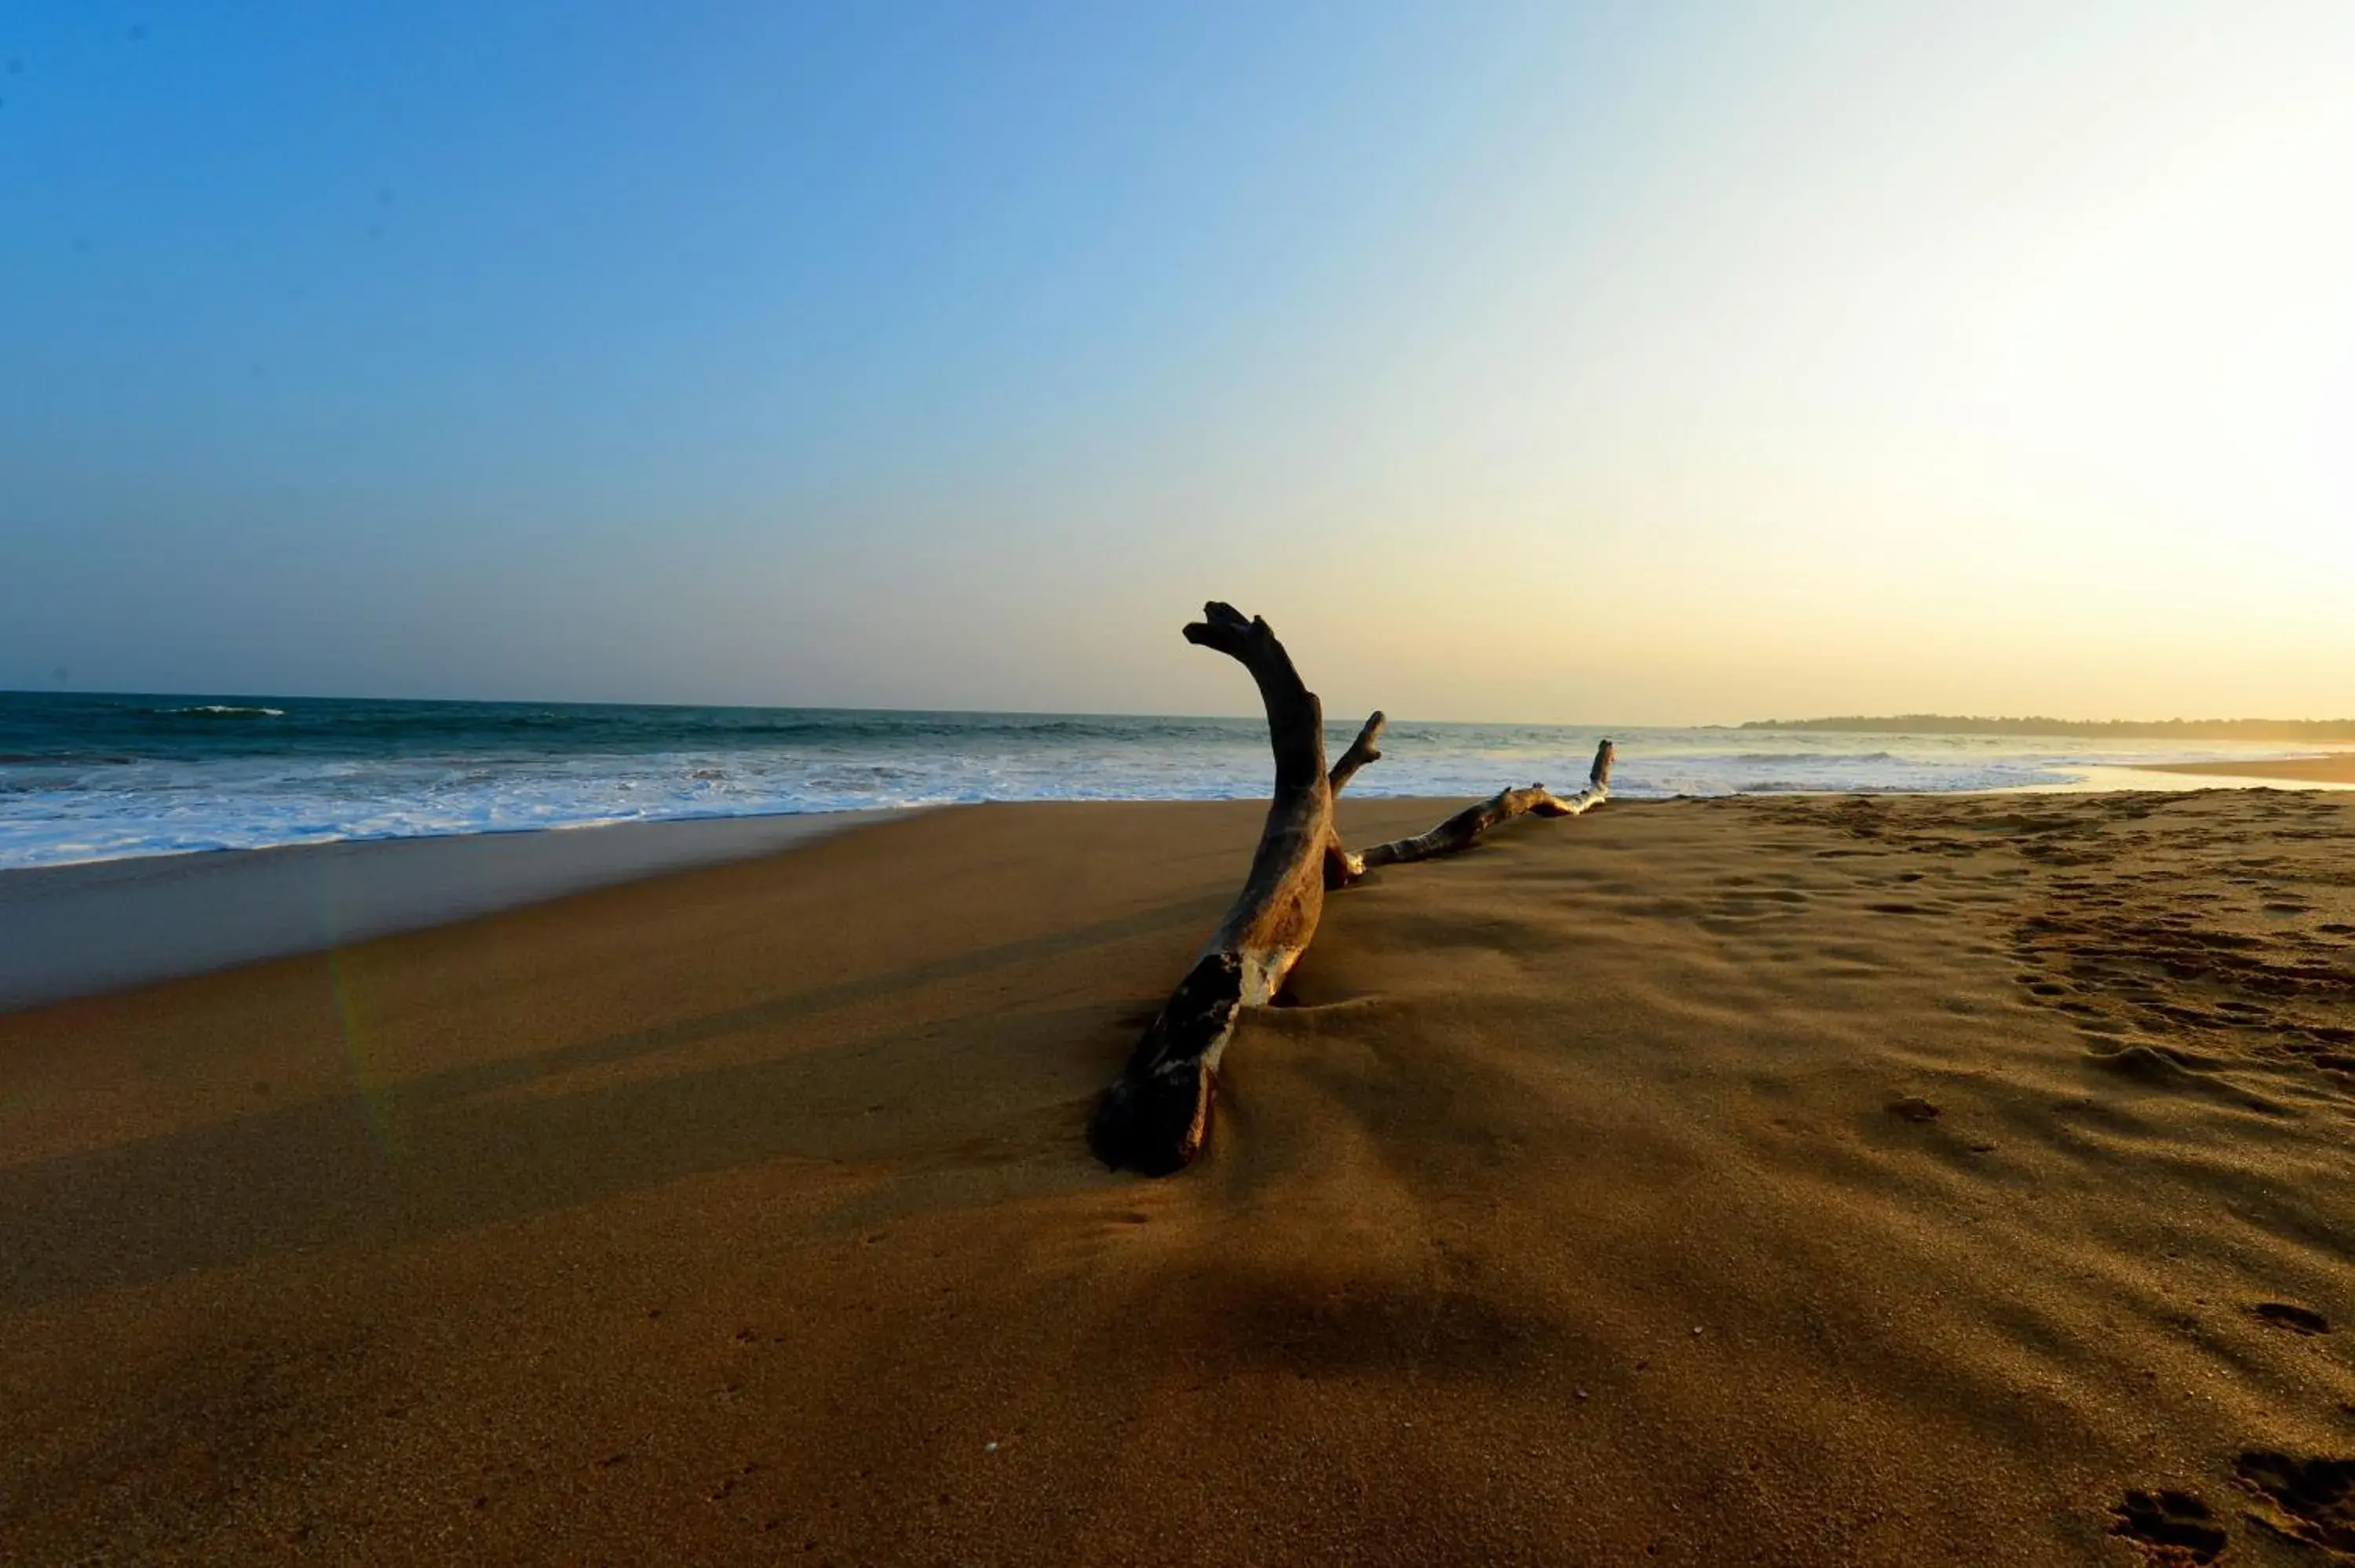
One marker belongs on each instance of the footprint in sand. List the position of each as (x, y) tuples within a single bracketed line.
[(2296, 1320), (2316, 1497), (2148, 1064), (2172, 1526)]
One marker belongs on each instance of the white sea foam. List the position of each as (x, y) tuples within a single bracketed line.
[(223, 710), (131, 794)]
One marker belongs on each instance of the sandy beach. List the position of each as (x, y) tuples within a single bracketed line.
[(2337, 769), (79, 930), (1801, 1179)]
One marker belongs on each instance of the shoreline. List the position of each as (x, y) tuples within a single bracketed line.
[(93, 927), (194, 788), (2333, 768)]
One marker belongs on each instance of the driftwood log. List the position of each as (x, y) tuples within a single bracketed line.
[(1156, 1117)]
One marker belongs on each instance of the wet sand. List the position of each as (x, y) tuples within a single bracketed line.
[(1806, 1180), (76, 930), (2338, 768)]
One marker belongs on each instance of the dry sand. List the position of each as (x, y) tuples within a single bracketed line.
[(1798, 1180), (2337, 769)]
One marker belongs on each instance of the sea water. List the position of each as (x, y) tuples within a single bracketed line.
[(86, 777)]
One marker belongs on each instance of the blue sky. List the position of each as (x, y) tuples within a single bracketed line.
[(1615, 362)]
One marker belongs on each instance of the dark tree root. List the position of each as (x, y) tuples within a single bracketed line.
[(1156, 1117)]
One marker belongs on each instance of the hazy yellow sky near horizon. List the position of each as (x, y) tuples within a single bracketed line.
[(1658, 364)]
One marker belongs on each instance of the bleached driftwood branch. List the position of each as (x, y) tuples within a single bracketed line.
[(1458, 832), (1156, 1115)]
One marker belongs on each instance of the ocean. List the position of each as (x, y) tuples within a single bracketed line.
[(91, 776)]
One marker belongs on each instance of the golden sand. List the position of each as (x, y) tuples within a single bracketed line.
[(2337, 768), (1806, 1181)]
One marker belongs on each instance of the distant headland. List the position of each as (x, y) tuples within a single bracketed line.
[(2165, 729)]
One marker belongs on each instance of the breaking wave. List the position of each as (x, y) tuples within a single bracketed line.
[(94, 778), (218, 711)]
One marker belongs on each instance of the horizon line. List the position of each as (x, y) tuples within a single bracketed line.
[(1889, 723)]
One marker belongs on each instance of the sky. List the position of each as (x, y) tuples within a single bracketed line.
[(1627, 363)]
